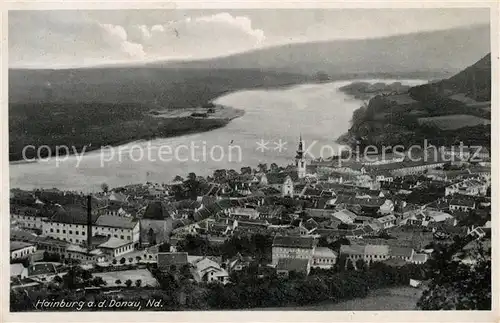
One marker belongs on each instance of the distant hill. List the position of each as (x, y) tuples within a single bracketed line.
[(445, 112), (474, 82), (148, 86), (446, 50)]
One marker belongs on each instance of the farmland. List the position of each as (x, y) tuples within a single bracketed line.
[(453, 122)]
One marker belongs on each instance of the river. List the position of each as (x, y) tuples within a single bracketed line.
[(318, 112)]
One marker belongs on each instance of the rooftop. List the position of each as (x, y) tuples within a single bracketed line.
[(17, 245), (116, 222), (294, 242)]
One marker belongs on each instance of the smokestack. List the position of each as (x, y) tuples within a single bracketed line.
[(89, 222)]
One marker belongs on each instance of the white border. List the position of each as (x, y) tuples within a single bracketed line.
[(252, 316)]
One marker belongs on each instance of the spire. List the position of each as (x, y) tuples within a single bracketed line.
[(300, 150)]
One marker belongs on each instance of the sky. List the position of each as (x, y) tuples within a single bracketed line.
[(70, 38)]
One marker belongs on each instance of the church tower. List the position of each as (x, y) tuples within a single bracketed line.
[(300, 161)]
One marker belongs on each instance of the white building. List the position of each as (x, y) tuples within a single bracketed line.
[(21, 249)]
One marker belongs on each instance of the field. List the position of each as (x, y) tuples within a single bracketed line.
[(143, 274), (389, 299), (453, 122)]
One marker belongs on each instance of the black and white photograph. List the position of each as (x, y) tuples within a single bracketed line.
[(249, 159)]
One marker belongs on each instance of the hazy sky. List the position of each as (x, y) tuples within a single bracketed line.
[(82, 38)]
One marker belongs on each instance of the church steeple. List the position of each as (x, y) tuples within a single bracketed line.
[(300, 150), (300, 161)]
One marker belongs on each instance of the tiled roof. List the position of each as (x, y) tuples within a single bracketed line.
[(72, 215), (157, 211), (113, 243), (294, 242), (16, 245), (400, 251), (324, 252), (116, 222)]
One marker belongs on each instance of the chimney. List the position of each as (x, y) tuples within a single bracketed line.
[(89, 222)]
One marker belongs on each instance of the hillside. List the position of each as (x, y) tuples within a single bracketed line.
[(443, 113), (90, 108), (418, 52)]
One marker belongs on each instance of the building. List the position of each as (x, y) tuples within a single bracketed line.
[(207, 270), (294, 247), (324, 258), (387, 221), (21, 249), (72, 225), (371, 252), (287, 188), (461, 204), (287, 265), (115, 247), (28, 217), (470, 187), (300, 161)]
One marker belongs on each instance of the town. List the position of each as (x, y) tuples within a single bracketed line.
[(311, 231)]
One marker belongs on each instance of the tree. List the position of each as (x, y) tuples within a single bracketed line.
[(138, 258), (118, 282), (246, 170), (138, 283), (98, 281), (262, 167), (130, 260), (122, 261), (274, 167), (164, 247), (128, 282), (178, 179), (361, 265), (114, 261), (349, 265), (105, 187)]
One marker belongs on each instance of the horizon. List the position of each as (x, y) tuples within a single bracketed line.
[(109, 38)]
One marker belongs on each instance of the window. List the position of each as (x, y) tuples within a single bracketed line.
[(51, 230), (64, 231), (70, 240), (128, 238), (115, 236), (77, 233), (83, 233), (57, 230), (121, 237)]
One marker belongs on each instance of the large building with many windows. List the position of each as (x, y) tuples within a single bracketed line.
[(72, 226), (295, 247)]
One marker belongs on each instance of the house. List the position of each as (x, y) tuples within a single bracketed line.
[(471, 187), (28, 217), (238, 262), (324, 258), (166, 260), (17, 271), (208, 270), (372, 252), (292, 247), (43, 271), (21, 249), (115, 247), (287, 265), (345, 216), (387, 221), (461, 204), (387, 207)]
